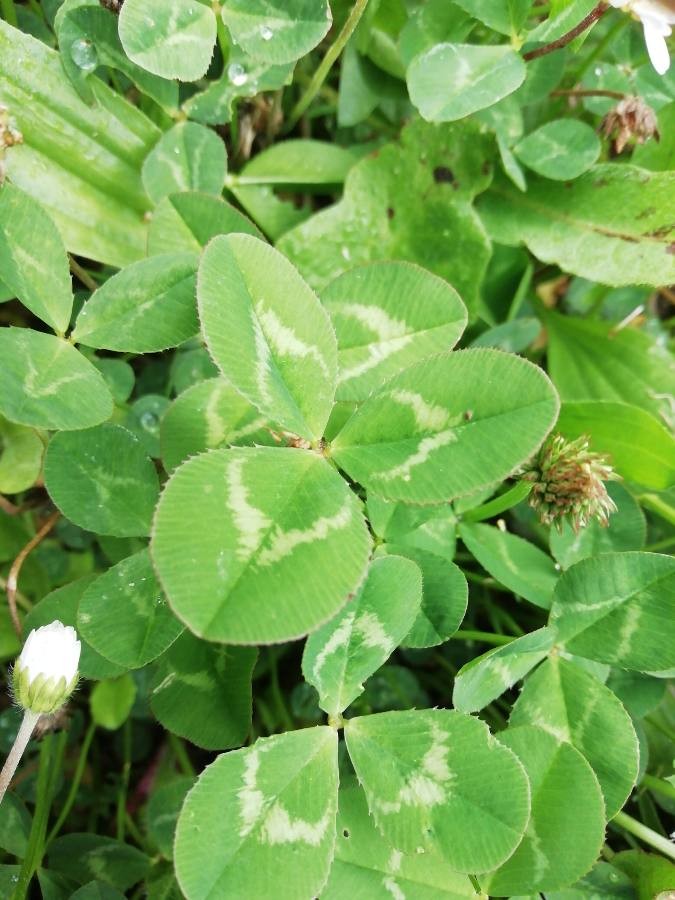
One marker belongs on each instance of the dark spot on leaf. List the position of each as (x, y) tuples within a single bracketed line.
[(486, 167), (443, 175), (390, 212), (345, 833), (468, 415)]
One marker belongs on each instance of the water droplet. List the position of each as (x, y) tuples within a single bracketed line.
[(346, 253), (237, 74), (149, 421), (266, 33), (84, 55)]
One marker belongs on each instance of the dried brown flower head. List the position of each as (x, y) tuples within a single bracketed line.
[(9, 137), (113, 5), (630, 118), (568, 483)]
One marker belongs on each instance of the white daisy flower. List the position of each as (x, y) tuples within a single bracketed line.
[(657, 18)]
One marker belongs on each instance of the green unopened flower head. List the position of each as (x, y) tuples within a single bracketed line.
[(45, 674), (568, 483)]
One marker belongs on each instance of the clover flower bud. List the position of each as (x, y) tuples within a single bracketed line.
[(45, 674), (568, 483), (630, 118)]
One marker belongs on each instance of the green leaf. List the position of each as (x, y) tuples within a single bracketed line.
[(299, 163), (147, 307), (604, 882), (258, 545), (366, 866), (618, 608), (627, 530), (203, 692), (507, 18), (21, 452), (381, 217), (82, 163), (171, 40), (62, 604), (46, 383), (268, 333), (36, 272), (102, 480), (486, 677), (346, 651), (111, 701), (242, 77), (269, 811), (188, 157), (428, 528), (589, 360), (163, 809), (649, 872), (444, 597), (84, 857), (575, 706), (87, 37), (567, 825), (124, 616), (277, 31), (561, 149), (432, 777), (451, 81), (436, 431), (185, 223), (387, 316), (208, 415), (15, 825), (641, 449), (514, 562), (143, 420), (97, 890), (612, 225)]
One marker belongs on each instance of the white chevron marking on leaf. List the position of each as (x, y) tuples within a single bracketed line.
[(429, 785), (371, 630), (284, 542), (428, 417), (339, 638), (280, 828), (250, 798), (285, 341), (393, 888), (377, 353), (424, 450), (375, 319), (250, 521)]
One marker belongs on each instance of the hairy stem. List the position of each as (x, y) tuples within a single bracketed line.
[(13, 577), (569, 36), (26, 729), (326, 63)]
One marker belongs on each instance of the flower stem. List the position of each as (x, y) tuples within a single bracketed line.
[(484, 637), (646, 835), (13, 577), (20, 743), (499, 504), (326, 63), (659, 786), (74, 784), (124, 786), (569, 36)]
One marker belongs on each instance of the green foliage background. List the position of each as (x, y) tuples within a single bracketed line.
[(290, 292)]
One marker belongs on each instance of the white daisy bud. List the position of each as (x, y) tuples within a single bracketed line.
[(45, 674)]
